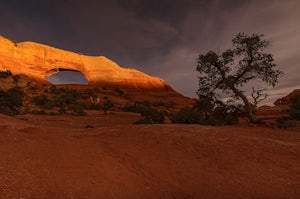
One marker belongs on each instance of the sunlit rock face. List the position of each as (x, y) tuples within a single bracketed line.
[(40, 61)]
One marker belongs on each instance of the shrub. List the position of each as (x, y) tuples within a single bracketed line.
[(43, 101), (15, 95), (40, 100), (89, 92), (187, 115), (78, 108), (65, 96), (149, 115), (94, 107), (108, 104), (5, 74), (16, 78), (119, 91), (128, 108), (32, 86), (207, 112), (285, 122), (88, 126), (62, 109), (158, 104), (54, 90), (11, 100), (294, 112)]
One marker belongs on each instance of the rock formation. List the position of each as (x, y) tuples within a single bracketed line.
[(39, 61), (287, 99), (279, 109)]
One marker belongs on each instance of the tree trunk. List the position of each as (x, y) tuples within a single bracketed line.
[(249, 108)]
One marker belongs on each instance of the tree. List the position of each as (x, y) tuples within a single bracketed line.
[(228, 72)]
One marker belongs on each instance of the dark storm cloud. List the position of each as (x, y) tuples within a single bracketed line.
[(162, 38)]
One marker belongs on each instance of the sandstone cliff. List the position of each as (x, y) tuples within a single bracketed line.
[(39, 61)]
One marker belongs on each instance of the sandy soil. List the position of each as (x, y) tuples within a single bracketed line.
[(57, 157)]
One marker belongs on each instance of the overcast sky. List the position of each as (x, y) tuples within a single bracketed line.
[(159, 37)]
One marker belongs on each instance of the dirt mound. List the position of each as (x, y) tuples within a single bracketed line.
[(57, 157)]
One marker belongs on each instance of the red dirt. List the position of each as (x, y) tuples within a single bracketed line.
[(56, 157)]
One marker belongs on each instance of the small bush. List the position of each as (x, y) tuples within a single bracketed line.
[(62, 109), (187, 115), (5, 74), (16, 78), (294, 114), (90, 92), (119, 91), (78, 108), (158, 104), (208, 112), (32, 86), (11, 100), (285, 122), (54, 90), (95, 107), (88, 126), (40, 100), (107, 105), (43, 101), (149, 114), (294, 111), (128, 108)]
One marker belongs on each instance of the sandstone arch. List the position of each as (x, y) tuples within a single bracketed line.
[(62, 76), (38, 61)]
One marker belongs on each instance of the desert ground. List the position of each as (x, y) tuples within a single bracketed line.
[(59, 157)]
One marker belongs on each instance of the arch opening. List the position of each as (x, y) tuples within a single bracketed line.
[(65, 76)]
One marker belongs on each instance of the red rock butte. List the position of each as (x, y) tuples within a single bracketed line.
[(39, 61)]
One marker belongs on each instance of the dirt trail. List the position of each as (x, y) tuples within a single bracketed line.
[(56, 157)]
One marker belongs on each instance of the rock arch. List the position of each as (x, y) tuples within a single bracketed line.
[(60, 76)]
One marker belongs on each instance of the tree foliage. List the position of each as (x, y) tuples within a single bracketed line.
[(228, 72), (208, 112), (149, 115)]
